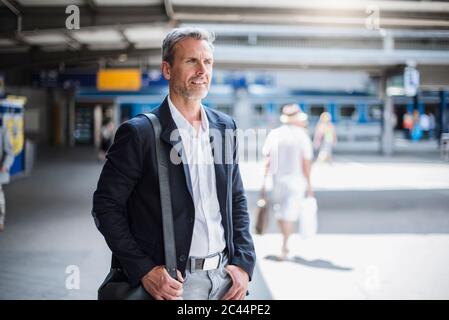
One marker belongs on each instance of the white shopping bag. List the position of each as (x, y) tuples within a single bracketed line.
[(308, 220)]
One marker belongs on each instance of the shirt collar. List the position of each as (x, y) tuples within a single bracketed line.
[(182, 122)]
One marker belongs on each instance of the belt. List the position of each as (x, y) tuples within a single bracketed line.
[(209, 262)]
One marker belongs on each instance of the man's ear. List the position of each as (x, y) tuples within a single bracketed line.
[(166, 70)]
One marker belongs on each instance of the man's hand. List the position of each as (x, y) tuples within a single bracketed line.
[(161, 286), (3, 169), (240, 280)]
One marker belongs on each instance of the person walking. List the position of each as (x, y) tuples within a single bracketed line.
[(289, 153), (106, 137), (7, 159), (325, 138)]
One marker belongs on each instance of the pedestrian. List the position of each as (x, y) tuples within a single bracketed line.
[(432, 125), (7, 159), (417, 131), (407, 124), (325, 138), (215, 251), (424, 122), (289, 153), (106, 137)]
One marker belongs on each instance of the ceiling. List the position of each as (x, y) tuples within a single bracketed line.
[(263, 34)]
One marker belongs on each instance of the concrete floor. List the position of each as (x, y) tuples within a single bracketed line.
[(372, 243)]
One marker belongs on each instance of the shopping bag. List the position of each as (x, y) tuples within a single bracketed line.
[(308, 218)]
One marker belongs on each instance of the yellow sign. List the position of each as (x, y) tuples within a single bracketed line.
[(119, 80)]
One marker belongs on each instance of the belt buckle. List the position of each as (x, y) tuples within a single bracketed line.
[(212, 262)]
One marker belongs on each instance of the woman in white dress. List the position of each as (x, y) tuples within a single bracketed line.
[(289, 153)]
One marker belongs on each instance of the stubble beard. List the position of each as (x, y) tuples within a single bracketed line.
[(191, 94)]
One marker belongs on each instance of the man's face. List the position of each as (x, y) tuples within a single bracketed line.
[(190, 74)]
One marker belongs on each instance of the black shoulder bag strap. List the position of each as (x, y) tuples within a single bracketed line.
[(164, 187)]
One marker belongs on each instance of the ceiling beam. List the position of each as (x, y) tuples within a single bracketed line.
[(244, 57), (91, 4), (175, 11), (168, 5), (45, 59), (15, 9), (72, 41), (53, 18), (341, 5), (314, 20), (13, 6), (129, 44)]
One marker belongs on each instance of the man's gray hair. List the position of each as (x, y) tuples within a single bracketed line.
[(178, 34)]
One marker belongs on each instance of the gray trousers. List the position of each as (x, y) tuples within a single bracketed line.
[(2, 206), (207, 285)]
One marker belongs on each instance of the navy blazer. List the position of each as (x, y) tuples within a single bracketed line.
[(127, 207)]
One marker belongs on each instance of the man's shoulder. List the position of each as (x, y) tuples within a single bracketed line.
[(139, 121), (139, 125), (220, 116)]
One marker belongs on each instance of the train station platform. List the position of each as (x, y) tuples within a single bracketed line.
[(383, 231)]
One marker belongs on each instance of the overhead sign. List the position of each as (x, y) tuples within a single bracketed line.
[(119, 80)]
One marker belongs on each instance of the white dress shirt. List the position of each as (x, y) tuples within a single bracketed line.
[(208, 232)]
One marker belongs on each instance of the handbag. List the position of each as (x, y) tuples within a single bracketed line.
[(262, 211), (308, 220), (116, 286)]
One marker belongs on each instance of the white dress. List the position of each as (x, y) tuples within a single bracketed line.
[(286, 147)]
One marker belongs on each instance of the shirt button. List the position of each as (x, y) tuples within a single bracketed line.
[(191, 220), (182, 258)]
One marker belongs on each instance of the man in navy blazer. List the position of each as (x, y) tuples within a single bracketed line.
[(215, 251)]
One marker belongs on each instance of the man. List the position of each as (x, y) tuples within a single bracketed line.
[(7, 159), (215, 252)]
